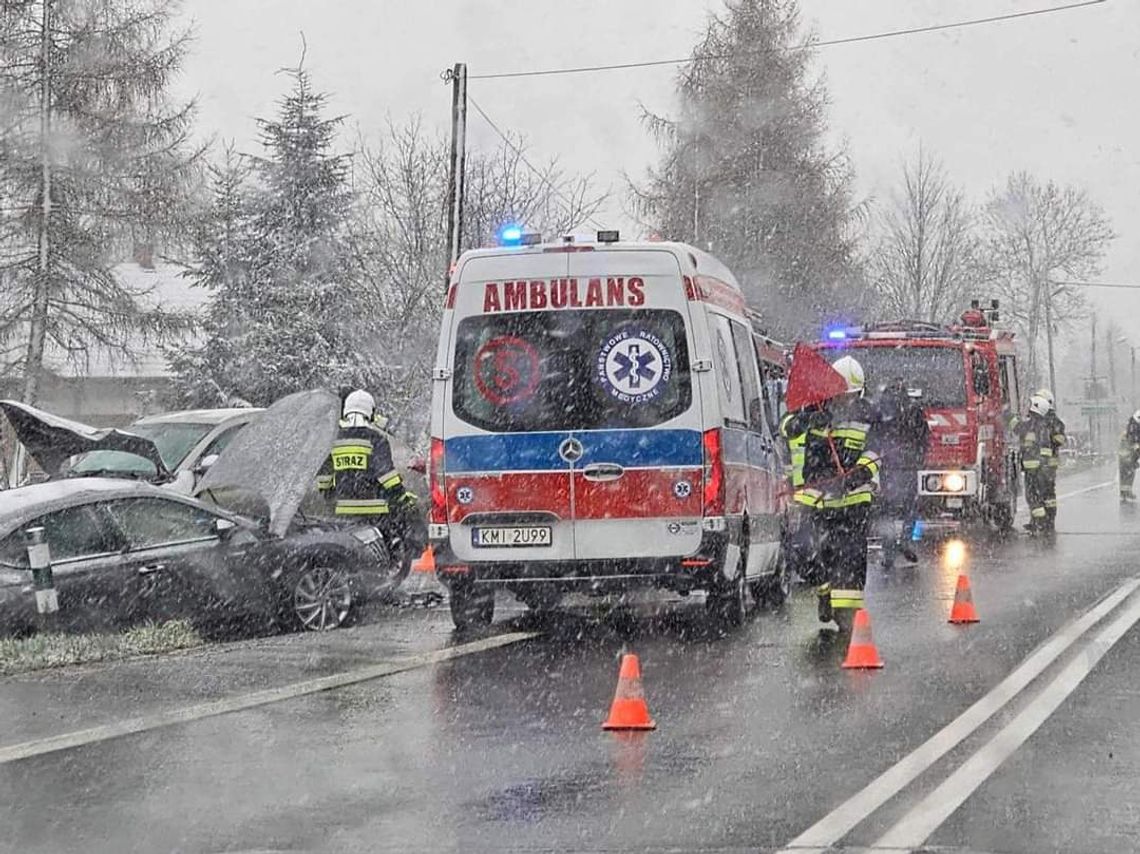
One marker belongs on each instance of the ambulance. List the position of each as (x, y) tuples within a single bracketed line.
[(601, 422)]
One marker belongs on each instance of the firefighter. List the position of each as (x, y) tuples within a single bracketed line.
[(361, 479), (1036, 452), (900, 436), (833, 489), (1129, 455), (1057, 441)]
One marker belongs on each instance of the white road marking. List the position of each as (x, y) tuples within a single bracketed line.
[(210, 709), (925, 818), (844, 818), (1092, 488)]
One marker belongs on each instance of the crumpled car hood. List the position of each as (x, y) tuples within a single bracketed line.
[(51, 439), (277, 457)]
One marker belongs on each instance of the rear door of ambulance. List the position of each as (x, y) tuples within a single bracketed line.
[(507, 454), (637, 486)]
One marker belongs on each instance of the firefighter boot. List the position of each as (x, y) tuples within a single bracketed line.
[(823, 594)]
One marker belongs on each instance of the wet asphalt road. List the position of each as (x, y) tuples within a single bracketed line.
[(760, 733)]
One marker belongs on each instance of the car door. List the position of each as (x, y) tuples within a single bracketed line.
[(94, 586), (175, 551)]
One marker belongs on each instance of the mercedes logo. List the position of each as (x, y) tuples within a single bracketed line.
[(570, 450)]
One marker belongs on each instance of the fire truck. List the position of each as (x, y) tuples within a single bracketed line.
[(965, 375)]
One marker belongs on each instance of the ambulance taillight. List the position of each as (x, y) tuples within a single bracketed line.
[(435, 475), (714, 473)]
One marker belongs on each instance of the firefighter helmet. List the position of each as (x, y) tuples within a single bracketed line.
[(1039, 405), (851, 371), (1136, 416), (1047, 395), (359, 402)]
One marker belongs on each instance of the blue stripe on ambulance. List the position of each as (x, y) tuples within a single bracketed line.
[(539, 451)]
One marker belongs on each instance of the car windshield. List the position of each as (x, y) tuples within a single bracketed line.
[(571, 370), (173, 440), (938, 372)]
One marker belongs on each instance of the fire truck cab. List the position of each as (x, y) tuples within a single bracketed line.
[(966, 377)]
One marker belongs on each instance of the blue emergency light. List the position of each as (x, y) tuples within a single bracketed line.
[(510, 235), (916, 534), (836, 333)]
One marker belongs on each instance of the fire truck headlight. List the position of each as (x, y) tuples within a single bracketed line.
[(933, 483), (954, 482)]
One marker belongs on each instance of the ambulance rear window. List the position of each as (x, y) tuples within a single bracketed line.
[(563, 370)]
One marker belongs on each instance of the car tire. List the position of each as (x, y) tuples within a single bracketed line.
[(471, 607), (727, 601), (319, 597), (772, 591), (539, 600)]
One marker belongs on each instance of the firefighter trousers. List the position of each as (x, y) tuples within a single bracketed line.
[(1127, 471), (1041, 496)]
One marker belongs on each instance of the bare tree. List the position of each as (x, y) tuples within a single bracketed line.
[(924, 262), (1038, 237), (401, 238)]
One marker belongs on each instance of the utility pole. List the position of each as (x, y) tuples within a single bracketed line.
[(1134, 403), (1110, 345), (1049, 336), (37, 329), (1094, 416), (457, 77)]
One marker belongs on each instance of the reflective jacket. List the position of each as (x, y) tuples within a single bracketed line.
[(1130, 441), (1056, 439), (359, 474), (1036, 442), (837, 469)]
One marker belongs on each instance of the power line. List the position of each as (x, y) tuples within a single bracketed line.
[(1120, 285), (890, 34), (570, 205)]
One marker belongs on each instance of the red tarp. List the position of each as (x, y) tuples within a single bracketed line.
[(812, 379)]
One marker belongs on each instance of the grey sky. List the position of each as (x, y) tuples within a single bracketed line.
[(1054, 94)]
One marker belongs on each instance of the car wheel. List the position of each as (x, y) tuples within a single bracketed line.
[(471, 607), (322, 598), (772, 591), (540, 600), (728, 601)]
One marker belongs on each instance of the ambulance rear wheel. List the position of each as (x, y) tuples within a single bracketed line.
[(771, 591), (471, 607)]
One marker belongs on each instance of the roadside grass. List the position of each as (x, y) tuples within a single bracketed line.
[(43, 651)]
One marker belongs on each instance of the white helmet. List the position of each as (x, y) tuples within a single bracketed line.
[(1039, 405), (1136, 416), (359, 402), (850, 369), (1047, 396)]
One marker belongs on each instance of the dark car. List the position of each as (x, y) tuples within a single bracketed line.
[(124, 551)]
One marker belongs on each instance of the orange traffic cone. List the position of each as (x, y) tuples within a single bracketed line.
[(861, 654), (629, 710), (425, 562), (963, 610)]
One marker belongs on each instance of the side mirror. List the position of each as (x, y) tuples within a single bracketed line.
[(418, 464), (224, 528), (204, 464)]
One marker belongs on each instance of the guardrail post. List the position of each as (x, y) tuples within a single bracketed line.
[(39, 559)]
